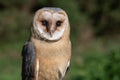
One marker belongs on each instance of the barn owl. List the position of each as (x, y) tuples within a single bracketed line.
[(47, 53)]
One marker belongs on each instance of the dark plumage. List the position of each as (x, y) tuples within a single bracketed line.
[(28, 54)]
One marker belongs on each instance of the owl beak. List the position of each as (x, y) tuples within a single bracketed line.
[(51, 31), (51, 34)]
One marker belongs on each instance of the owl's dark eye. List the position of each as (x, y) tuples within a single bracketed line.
[(45, 23), (58, 23)]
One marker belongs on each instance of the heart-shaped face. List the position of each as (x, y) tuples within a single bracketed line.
[(50, 23)]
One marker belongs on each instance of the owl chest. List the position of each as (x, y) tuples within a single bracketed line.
[(51, 56), (52, 61)]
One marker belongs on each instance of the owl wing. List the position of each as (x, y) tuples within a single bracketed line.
[(28, 59)]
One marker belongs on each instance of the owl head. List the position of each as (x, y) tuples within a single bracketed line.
[(50, 23)]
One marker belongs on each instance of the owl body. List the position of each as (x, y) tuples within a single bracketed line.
[(52, 46), (52, 59)]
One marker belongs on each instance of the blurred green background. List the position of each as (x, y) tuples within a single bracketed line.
[(95, 36)]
